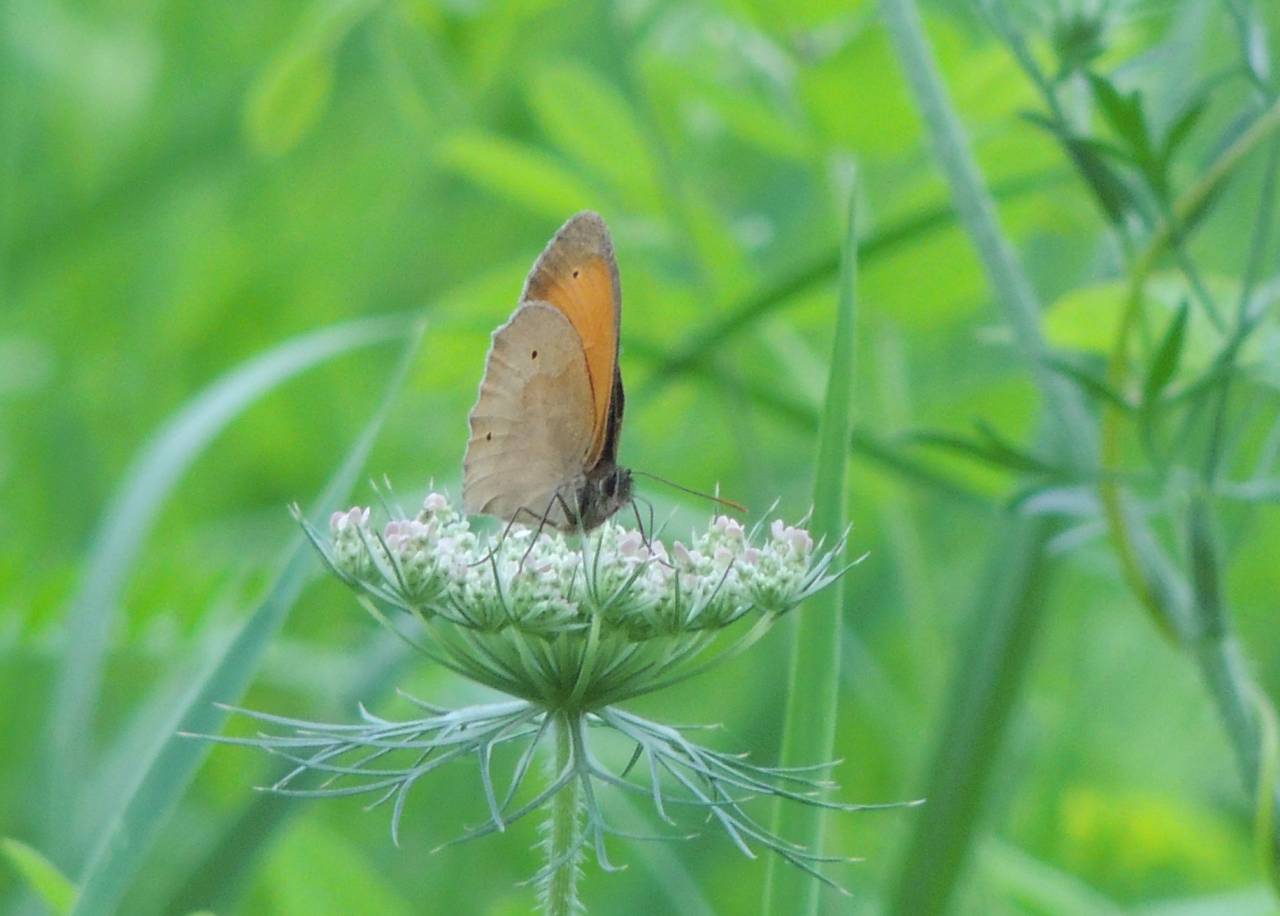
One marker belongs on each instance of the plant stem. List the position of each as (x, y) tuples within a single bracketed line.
[(1209, 634), (1072, 433), (991, 670), (564, 831), (1109, 490)]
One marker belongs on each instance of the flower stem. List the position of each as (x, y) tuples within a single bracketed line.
[(564, 831)]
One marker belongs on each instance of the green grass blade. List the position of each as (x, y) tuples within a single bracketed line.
[(808, 734), (164, 777), (128, 519), (1071, 431), (987, 680), (41, 875), (216, 877)]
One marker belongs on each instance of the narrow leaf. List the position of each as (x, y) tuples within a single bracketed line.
[(1040, 887), (1111, 192), (127, 521), (1090, 383), (1181, 128), (1167, 356), (808, 734), (1004, 617), (41, 875), (165, 774), (1007, 459), (740, 317)]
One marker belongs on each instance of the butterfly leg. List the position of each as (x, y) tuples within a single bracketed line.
[(542, 523), (644, 538), (647, 539), (493, 551)]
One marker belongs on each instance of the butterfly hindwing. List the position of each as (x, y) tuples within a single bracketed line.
[(533, 424)]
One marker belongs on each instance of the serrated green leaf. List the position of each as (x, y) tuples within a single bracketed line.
[(1124, 115), (41, 875), (517, 173), (1167, 356), (593, 123)]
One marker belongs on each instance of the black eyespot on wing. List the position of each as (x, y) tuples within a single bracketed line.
[(488, 437), (533, 355), (575, 274)]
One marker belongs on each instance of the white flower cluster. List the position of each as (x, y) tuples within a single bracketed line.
[(435, 565)]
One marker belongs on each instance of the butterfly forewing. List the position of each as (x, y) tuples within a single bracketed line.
[(578, 275)]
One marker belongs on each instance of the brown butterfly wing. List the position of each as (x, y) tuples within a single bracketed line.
[(578, 275), (533, 423)]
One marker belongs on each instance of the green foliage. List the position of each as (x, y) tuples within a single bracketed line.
[(54, 889), (814, 673), (1165, 359), (292, 92), (1064, 384), (126, 837)]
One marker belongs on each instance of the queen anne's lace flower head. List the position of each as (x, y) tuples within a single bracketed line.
[(568, 628), (617, 583)]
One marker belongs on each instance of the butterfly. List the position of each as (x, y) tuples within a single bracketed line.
[(545, 428)]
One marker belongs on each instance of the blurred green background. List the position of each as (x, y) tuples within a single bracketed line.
[(185, 188)]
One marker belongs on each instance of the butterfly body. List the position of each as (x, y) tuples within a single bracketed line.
[(546, 425)]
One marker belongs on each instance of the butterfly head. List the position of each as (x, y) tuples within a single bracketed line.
[(605, 490)]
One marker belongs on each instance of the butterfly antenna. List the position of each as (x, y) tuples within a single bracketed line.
[(714, 497)]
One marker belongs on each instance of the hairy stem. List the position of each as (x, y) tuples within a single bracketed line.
[(564, 832)]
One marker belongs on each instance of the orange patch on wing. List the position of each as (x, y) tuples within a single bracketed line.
[(584, 292)]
